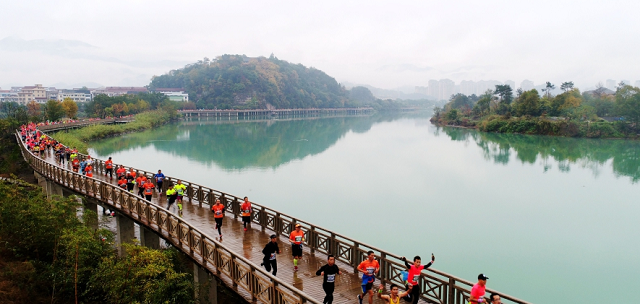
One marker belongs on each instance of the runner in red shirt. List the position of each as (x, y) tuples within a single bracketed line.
[(88, 170), (246, 212), (414, 276), (122, 183), (478, 290), (218, 214), (120, 172), (148, 189), (369, 268), (108, 166), (296, 237)]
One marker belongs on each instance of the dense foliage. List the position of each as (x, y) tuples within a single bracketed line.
[(568, 114), (103, 105), (56, 257), (234, 81)]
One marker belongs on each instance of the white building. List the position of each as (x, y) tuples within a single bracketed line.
[(468, 87), (446, 88), (177, 96), (75, 96), (8, 96), (611, 84)]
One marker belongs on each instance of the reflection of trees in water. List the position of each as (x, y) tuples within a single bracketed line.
[(241, 144), (565, 152)]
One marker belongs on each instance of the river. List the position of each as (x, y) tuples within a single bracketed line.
[(547, 219)]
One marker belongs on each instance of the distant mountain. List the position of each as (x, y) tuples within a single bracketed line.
[(398, 93), (237, 81)]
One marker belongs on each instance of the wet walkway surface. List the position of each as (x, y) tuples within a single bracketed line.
[(250, 244)]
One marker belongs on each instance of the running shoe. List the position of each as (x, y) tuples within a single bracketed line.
[(359, 299)]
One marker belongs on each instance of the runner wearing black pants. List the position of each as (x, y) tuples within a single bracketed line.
[(159, 179), (130, 182), (329, 272), (414, 276), (269, 251)]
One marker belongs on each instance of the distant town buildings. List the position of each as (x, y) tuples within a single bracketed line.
[(36, 93), (74, 95), (610, 84)]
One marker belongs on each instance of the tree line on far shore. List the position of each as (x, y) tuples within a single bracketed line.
[(493, 110)]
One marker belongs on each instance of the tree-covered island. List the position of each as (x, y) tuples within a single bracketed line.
[(600, 113)]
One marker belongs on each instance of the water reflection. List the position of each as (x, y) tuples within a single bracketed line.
[(565, 152), (241, 144)]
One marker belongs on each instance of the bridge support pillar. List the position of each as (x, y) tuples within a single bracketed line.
[(49, 187), (149, 238), (125, 232), (91, 205), (206, 285)]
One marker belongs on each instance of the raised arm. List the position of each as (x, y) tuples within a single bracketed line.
[(406, 292)]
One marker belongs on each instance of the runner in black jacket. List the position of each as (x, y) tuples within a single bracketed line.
[(329, 271), (269, 251)]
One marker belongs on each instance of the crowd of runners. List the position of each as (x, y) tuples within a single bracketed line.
[(146, 186)]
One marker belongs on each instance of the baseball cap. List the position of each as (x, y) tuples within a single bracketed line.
[(273, 236), (482, 277)]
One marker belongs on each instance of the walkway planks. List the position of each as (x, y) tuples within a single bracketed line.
[(251, 242)]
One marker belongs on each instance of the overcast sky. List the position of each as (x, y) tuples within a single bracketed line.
[(382, 43)]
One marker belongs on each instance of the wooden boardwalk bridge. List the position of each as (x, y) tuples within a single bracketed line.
[(276, 112), (234, 259)]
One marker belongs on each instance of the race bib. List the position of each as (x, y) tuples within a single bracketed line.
[(370, 270), (273, 256), (331, 278), (298, 239), (246, 211), (218, 212)]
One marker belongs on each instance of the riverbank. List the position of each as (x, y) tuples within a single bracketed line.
[(540, 126), (80, 137)]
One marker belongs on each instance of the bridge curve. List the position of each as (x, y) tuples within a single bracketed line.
[(250, 280)]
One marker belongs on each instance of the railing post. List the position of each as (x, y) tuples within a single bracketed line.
[(263, 218), (235, 207), (312, 239), (212, 198), (277, 222), (355, 257), (332, 245), (383, 266), (452, 290)]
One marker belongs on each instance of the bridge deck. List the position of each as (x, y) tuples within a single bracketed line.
[(251, 242)]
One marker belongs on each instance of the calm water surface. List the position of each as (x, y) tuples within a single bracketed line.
[(549, 220)]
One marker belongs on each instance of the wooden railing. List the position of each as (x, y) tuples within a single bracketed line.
[(435, 286), (203, 249)]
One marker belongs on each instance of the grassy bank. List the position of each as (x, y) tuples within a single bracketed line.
[(541, 126), (80, 137)]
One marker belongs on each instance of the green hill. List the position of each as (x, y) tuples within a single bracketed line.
[(240, 82)]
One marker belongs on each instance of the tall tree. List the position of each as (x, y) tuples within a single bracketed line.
[(70, 107), (505, 92), (549, 87), (567, 86), (628, 103), (33, 108), (53, 110), (528, 103)]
